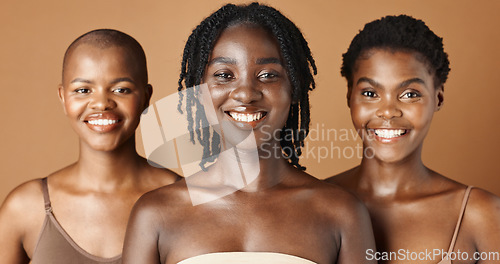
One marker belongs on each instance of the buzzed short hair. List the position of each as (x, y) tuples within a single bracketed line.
[(106, 38)]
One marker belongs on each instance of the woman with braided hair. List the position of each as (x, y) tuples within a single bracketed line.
[(247, 71)]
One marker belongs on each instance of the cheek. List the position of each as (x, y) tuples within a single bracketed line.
[(133, 107), (212, 101), (360, 115), (280, 96), (421, 116), (217, 95), (282, 102), (74, 108)]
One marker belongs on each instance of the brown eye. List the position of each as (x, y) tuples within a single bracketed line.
[(268, 75), (122, 90), (223, 75), (409, 95), (82, 90), (369, 94)]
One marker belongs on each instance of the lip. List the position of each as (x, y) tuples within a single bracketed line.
[(388, 135), (103, 122), (241, 115)]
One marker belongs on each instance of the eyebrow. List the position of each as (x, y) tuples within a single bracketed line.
[(124, 79), (410, 81), (115, 81), (260, 61), (401, 85), (224, 60), (269, 60), (368, 80), (80, 80)]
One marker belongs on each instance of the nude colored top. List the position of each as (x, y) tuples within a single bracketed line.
[(246, 258), (55, 246), (457, 228)]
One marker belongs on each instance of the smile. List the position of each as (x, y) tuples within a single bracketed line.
[(246, 117), (102, 122), (389, 133)]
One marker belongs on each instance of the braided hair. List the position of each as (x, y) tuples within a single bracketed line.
[(298, 62)]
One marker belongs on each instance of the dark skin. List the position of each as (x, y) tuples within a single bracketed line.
[(93, 197), (411, 206), (283, 210)]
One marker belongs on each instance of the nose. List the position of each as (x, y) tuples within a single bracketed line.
[(389, 109), (246, 91), (102, 101)]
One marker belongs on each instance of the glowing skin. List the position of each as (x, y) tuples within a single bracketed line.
[(392, 102), (282, 210), (102, 95), (249, 85)]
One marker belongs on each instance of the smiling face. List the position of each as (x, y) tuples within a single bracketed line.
[(103, 95), (248, 83), (392, 102)]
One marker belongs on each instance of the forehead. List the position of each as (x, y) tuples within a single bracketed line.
[(390, 64), (250, 38), (86, 58), (111, 53)]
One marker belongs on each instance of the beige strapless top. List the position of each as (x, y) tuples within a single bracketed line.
[(246, 258)]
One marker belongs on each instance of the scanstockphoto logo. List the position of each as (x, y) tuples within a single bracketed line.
[(431, 255)]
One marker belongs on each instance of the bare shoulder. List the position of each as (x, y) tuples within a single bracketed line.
[(483, 208), (344, 215), (24, 199), (29, 195), (165, 200), (336, 202), (481, 221), (27, 200), (335, 193), (22, 212), (149, 221)]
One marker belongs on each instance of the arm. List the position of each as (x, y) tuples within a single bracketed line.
[(141, 239), (356, 236)]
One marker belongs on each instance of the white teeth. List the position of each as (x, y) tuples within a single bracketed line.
[(389, 133), (245, 117), (102, 122)]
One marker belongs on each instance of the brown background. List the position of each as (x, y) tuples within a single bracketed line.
[(36, 138)]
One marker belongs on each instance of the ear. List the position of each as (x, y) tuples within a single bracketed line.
[(439, 97), (60, 94)]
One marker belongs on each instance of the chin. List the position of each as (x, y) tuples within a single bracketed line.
[(104, 148), (105, 145), (391, 157)]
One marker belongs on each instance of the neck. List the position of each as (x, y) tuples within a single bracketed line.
[(108, 170), (390, 179), (261, 169)]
